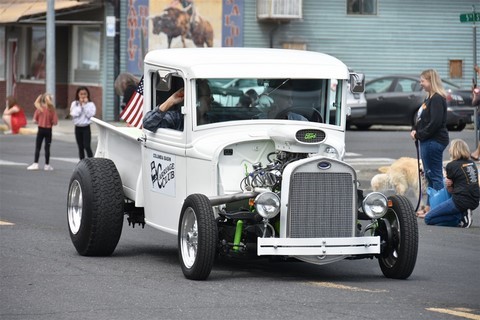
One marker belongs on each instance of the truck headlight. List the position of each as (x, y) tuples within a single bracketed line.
[(375, 205), (267, 204), (331, 152)]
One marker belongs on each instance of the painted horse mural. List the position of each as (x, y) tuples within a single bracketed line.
[(176, 23)]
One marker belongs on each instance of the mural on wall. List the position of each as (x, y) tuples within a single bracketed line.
[(137, 35), (232, 25), (160, 24), (185, 23)]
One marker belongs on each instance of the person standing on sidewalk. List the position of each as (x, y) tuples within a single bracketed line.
[(82, 110), (431, 131), (46, 117)]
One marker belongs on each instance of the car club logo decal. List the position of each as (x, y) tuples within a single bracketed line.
[(162, 168)]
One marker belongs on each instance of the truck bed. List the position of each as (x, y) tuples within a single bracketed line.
[(121, 145)]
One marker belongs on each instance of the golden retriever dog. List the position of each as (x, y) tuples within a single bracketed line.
[(401, 176)]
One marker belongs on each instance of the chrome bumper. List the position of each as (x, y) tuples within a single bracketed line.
[(318, 246)]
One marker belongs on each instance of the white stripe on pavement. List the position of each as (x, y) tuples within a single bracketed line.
[(369, 160), (72, 160), (11, 163)]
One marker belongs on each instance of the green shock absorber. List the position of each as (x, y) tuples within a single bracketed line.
[(238, 235)]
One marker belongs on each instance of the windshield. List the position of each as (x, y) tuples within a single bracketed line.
[(314, 100)]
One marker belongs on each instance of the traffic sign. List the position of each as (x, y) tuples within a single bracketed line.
[(470, 17)]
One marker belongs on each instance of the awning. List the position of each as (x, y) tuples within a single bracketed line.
[(13, 11)]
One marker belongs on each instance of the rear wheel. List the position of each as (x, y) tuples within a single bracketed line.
[(95, 207), (398, 231), (197, 237)]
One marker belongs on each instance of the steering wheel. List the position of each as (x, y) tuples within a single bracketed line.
[(316, 116)]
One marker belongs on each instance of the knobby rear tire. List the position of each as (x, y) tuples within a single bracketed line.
[(95, 207)]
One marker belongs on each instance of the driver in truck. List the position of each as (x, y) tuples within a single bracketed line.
[(168, 114)]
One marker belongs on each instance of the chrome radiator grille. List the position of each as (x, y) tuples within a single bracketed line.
[(321, 205)]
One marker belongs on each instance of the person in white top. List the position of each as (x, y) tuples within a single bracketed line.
[(82, 110)]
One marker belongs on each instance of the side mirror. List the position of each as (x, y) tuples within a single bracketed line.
[(164, 82), (357, 82)]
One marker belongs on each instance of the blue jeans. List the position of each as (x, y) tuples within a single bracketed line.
[(431, 153), (445, 214)]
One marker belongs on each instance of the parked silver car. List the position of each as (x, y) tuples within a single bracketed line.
[(357, 104)]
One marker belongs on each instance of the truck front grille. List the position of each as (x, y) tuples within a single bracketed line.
[(321, 205)]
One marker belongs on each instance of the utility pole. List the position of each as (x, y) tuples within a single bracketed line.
[(50, 50)]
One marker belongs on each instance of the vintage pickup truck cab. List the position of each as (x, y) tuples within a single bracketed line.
[(255, 171)]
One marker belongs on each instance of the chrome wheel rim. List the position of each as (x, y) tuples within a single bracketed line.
[(189, 238), (74, 207), (395, 225)]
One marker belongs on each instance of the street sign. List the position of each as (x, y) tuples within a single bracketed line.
[(470, 17)]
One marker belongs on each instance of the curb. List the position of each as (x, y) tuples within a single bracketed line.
[(23, 131)]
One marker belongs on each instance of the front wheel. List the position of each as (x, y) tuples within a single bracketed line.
[(398, 231), (197, 237)]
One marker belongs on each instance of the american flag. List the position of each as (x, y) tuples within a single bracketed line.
[(133, 112)]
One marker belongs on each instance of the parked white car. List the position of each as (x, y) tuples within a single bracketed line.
[(238, 181)]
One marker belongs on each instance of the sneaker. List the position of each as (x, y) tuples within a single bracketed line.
[(48, 167), (7, 132), (33, 166), (467, 219)]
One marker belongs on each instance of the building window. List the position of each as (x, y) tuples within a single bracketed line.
[(86, 54), (37, 54), (456, 69), (364, 7)]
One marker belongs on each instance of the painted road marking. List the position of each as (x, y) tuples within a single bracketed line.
[(72, 160), (6, 223), (352, 154), (12, 163), (343, 287), (459, 312), (369, 160)]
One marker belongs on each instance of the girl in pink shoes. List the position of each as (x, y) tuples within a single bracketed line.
[(46, 117)]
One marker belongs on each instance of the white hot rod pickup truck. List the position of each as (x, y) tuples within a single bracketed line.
[(256, 169)]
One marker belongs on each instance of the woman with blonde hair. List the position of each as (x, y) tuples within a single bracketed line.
[(430, 129), (462, 184), (46, 117)]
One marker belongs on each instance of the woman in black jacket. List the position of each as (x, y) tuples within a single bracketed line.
[(431, 131)]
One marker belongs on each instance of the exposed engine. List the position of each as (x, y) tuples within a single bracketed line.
[(239, 223)]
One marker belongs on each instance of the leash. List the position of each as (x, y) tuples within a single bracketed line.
[(419, 177)]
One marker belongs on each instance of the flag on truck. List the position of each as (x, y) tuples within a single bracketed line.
[(133, 112)]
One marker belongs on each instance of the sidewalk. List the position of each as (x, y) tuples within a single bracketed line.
[(64, 127)]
